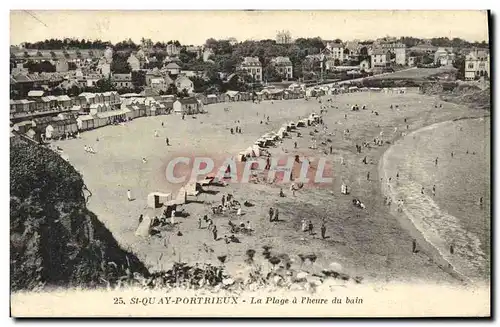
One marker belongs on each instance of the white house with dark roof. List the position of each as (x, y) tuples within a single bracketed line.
[(477, 64), (184, 83), (379, 58), (283, 66), (253, 67), (173, 68)]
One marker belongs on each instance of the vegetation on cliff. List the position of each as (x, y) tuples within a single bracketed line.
[(54, 239)]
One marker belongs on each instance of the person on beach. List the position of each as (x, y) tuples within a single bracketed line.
[(140, 219), (311, 227), (248, 225), (295, 145), (304, 225), (422, 190), (481, 201), (397, 175), (276, 215), (232, 131), (414, 246), (167, 141), (223, 201), (323, 229), (214, 232), (162, 124), (271, 214), (282, 195), (172, 218), (368, 176), (129, 195), (156, 133), (331, 149), (452, 154), (199, 222), (434, 190), (436, 161)]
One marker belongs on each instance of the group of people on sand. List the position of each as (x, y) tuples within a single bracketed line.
[(89, 149), (307, 226)]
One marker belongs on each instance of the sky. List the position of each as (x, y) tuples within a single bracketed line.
[(194, 27)]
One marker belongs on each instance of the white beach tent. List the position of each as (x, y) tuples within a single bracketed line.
[(250, 152), (144, 228), (256, 150)]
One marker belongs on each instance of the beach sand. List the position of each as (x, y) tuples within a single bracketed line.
[(370, 243)]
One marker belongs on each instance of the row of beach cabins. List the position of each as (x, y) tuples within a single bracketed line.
[(56, 117), (333, 90)]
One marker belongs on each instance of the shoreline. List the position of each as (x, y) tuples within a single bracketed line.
[(428, 240)]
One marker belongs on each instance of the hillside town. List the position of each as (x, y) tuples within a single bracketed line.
[(73, 85)]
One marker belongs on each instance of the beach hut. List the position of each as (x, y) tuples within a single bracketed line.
[(158, 199), (302, 123)]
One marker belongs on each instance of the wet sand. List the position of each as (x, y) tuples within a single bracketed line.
[(451, 219)]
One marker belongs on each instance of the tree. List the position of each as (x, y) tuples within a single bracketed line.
[(119, 65), (459, 64), (271, 75), (183, 94), (138, 78), (104, 85), (172, 90)]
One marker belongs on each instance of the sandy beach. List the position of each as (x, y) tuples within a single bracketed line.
[(370, 242)]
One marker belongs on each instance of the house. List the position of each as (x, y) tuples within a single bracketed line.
[(477, 64), (253, 67), (104, 69), (443, 57), (173, 50), (398, 49), (62, 65), (61, 125), (134, 62), (184, 83), (188, 106), (379, 58), (173, 68), (233, 95), (283, 66), (64, 102), (207, 53), (352, 49), (212, 98), (108, 54), (121, 81), (364, 64), (334, 51)]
